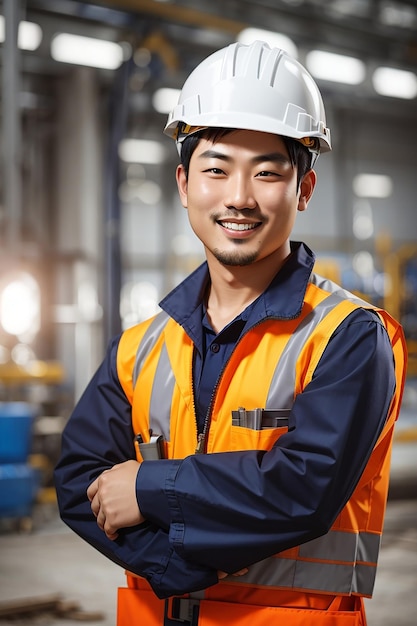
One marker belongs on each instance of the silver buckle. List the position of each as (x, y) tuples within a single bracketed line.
[(185, 610)]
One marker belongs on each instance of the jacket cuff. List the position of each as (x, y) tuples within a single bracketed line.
[(154, 490)]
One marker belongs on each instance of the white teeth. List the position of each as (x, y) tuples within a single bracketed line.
[(235, 226)]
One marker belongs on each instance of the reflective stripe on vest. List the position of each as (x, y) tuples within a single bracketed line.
[(281, 393), (341, 562), (164, 380)]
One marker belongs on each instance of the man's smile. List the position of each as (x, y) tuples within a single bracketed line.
[(238, 226)]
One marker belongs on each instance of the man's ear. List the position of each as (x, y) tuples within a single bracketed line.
[(182, 184), (307, 185)]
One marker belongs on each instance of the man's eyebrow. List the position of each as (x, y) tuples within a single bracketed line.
[(213, 154), (270, 157)]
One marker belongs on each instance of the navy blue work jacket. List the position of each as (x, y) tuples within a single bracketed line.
[(312, 472)]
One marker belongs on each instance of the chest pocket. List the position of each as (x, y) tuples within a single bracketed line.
[(249, 439), (257, 429)]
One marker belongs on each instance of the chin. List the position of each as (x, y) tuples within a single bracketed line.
[(234, 259)]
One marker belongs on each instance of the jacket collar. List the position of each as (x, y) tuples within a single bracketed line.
[(283, 299)]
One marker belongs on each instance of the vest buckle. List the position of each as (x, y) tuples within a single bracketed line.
[(183, 610)]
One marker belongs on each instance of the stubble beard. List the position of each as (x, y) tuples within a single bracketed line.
[(236, 258)]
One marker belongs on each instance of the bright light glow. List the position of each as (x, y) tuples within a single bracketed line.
[(181, 245), (88, 305), (141, 151), (335, 67), (20, 306), (275, 40), (165, 99), (138, 302), (372, 186), (29, 34), (389, 81), (22, 354), (363, 264), (402, 15), (146, 191), (87, 51), (363, 221)]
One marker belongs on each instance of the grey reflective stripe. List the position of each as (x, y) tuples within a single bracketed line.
[(364, 579), (334, 546), (368, 547), (333, 578), (331, 287), (162, 390), (148, 340), (336, 565), (281, 391)]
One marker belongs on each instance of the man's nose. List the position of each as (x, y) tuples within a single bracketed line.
[(239, 193)]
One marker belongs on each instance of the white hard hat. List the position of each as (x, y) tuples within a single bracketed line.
[(252, 87)]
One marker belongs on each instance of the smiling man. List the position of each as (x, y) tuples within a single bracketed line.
[(232, 453)]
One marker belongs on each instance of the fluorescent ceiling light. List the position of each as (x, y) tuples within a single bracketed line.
[(275, 40), (335, 67), (389, 81), (372, 186), (141, 151), (397, 14), (29, 34), (165, 99), (88, 51)]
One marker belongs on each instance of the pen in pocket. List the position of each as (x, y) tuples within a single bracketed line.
[(153, 449)]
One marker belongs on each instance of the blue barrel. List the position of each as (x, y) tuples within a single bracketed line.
[(16, 422), (19, 484)]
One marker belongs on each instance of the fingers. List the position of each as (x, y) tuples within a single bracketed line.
[(95, 505), (92, 490), (102, 523), (241, 572), (113, 499)]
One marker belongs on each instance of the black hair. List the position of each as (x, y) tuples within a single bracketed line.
[(299, 155)]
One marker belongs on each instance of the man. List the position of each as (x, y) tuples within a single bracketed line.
[(270, 392)]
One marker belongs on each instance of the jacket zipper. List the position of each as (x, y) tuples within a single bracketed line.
[(202, 437)]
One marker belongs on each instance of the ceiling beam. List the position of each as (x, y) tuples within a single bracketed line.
[(178, 14)]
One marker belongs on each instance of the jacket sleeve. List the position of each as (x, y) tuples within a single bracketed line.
[(97, 436), (229, 510)]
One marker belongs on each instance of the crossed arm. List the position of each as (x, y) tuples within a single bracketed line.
[(114, 504)]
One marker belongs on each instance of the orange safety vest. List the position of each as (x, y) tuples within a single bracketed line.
[(321, 581)]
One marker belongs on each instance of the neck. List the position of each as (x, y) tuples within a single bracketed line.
[(232, 288)]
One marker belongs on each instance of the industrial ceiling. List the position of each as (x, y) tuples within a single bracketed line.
[(180, 33)]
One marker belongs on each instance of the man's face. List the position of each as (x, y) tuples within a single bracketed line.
[(242, 196)]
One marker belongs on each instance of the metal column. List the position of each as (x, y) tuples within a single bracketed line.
[(11, 127)]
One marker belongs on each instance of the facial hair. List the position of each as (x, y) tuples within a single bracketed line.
[(237, 258)]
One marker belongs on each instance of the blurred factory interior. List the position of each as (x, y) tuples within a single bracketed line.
[(92, 234)]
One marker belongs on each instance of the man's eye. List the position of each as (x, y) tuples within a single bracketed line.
[(214, 170), (266, 173)]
